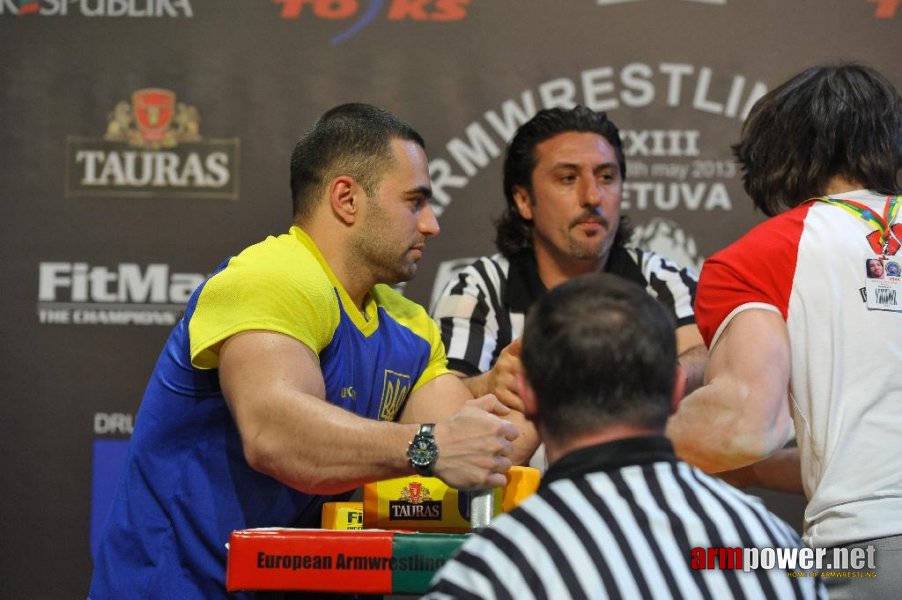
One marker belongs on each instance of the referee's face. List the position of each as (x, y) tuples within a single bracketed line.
[(574, 203)]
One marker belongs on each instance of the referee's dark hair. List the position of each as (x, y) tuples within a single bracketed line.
[(351, 139), (599, 351), (513, 233)]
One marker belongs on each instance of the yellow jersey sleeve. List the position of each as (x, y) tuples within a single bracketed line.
[(277, 285)]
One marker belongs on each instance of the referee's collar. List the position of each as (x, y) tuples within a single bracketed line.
[(609, 456), (524, 286)]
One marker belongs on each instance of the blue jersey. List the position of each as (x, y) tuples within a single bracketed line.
[(186, 485)]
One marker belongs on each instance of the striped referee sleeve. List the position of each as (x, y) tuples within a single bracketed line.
[(471, 317), (673, 285)]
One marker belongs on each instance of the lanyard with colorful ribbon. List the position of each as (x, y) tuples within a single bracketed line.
[(887, 237)]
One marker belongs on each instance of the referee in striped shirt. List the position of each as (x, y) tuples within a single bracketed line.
[(617, 515)]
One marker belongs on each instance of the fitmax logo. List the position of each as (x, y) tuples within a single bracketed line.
[(365, 12), (82, 294), (125, 283)]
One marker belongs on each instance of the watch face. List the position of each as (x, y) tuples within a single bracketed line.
[(422, 451)]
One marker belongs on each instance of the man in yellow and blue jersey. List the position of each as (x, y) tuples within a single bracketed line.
[(298, 374)]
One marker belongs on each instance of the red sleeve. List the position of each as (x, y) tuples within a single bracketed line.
[(759, 267)]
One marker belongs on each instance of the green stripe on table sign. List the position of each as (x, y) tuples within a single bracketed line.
[(417, 556)]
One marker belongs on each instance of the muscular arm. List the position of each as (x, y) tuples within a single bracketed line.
[(692, 355), (275, 390), (781, 472), (741, 413)]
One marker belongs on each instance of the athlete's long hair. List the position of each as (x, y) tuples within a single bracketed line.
[(834, 120)]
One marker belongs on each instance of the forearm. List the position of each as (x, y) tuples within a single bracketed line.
[(716, 434), (780, 472), (315, 447)]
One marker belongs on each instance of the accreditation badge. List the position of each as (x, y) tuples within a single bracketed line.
[(883, 284)]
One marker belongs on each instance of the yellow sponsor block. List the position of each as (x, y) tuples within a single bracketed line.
[(428, 504), (522, 482), (342, 515), (418, 504)]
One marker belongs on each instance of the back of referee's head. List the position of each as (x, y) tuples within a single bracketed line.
[(599, 353)]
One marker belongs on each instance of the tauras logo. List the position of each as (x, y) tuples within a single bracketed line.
[(82, 294), (98, 8), (152, 147), (425, 511), (415, 504)]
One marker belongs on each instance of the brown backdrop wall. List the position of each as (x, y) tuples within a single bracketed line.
[(110, 222)]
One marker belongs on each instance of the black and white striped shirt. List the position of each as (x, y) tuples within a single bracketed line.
[(620, 520), (482, 309)]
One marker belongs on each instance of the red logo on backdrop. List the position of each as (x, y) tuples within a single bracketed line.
[(153, 120), (28, 7), (886, 9), (364, 12), (153, 113)]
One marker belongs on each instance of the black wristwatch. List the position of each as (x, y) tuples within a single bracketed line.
[(422, 451)]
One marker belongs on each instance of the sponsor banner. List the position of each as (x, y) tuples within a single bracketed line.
[(310, 560), (359, 14), (419, 503), (342, 515), (77, 293), (98, 8), (152, 148), (369, 562)]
